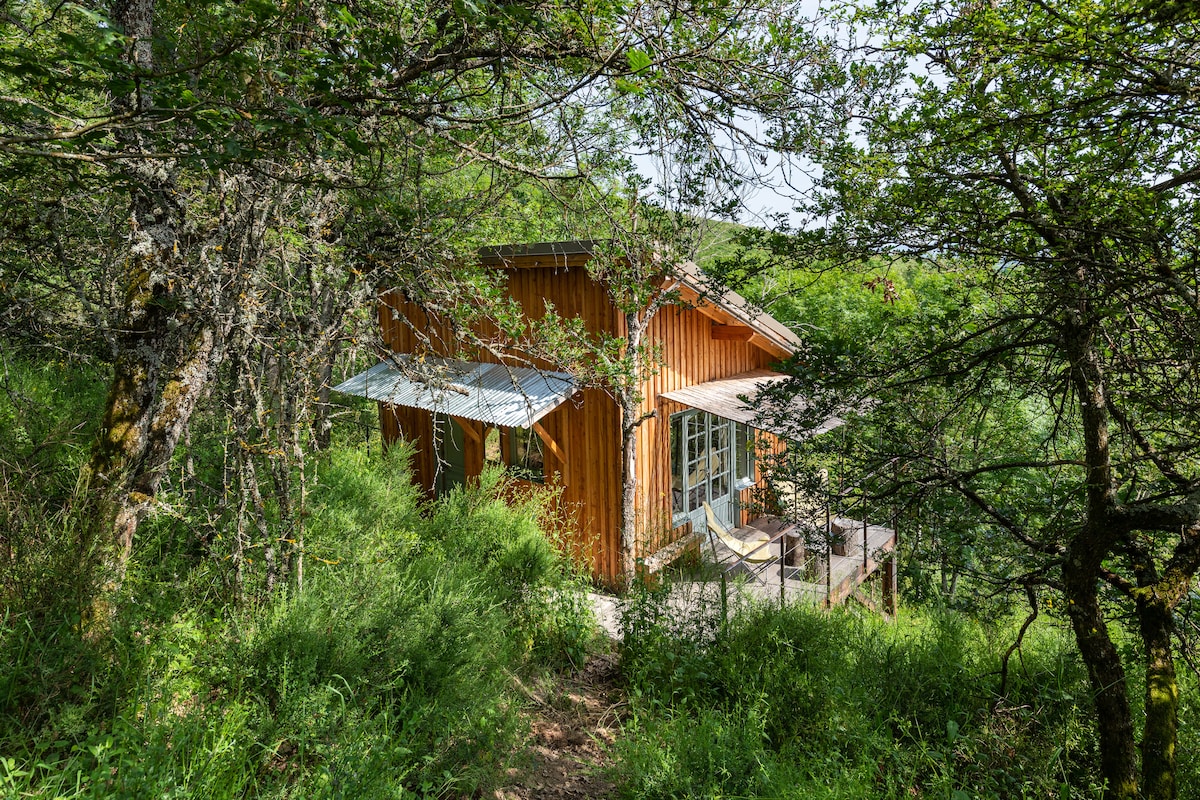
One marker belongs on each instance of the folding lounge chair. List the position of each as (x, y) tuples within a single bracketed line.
[(750, 551)]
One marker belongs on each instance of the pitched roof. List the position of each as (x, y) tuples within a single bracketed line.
[(693, 284)]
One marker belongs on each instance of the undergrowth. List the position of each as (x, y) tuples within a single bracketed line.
[(396, 672), (803, 703), (392, 674)]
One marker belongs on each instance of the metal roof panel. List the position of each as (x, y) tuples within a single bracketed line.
[(498, 394)]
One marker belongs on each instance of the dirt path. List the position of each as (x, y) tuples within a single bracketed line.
[(573, 723)]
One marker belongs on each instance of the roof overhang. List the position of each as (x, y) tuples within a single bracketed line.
[(733, 316), (497, 394), (735, 398), (732, 313)]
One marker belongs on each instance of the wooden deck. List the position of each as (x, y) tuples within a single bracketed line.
[(820, 577)]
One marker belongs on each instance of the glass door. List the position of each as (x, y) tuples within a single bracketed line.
[(702, 467), (720, 471)]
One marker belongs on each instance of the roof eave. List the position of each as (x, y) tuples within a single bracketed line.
[(769, 333)]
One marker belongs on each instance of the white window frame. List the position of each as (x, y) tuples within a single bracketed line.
[(744, 443), (679, 462)]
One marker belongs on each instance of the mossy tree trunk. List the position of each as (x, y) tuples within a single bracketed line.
[(162, 360), (1106, 673), (1161, 734), (146, 414)]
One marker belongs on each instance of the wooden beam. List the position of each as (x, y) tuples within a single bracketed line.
[(771, 347), (890, 591), (722, 317), (732, 333), (653, 563), (558, 452), (471, 428)]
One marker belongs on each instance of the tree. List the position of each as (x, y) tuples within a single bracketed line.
[(191, 120), (1045, 154), (640, 272)]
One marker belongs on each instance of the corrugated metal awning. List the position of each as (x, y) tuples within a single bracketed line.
[(511, 397), (735, 397)]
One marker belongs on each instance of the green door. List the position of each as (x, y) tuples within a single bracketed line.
[(452, 463)]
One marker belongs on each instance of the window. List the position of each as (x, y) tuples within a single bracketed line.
[(677, 499), (718, 462), (491, 448), (689, 445), (743, 449), (711, 459), (526, 455)]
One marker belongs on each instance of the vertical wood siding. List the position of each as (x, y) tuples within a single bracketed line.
[(689, 355), (587, 427)]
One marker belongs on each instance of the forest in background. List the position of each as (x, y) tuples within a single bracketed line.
[(204, 558)]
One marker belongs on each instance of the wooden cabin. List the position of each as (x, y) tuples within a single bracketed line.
[(696, 448)]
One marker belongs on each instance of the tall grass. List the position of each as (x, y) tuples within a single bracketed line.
[(804, 703), (391, 675)]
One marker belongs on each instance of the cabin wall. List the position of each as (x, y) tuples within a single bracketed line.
[(416, 426), (688, 355), (585, 430)]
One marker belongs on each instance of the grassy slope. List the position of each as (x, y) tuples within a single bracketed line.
[(392, 674)]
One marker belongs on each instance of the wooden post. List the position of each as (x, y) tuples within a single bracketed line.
[(783, 557), (828, 557), (724, 600), (864, 540), (889, 586)]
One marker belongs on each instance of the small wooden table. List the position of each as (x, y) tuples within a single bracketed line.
[(779, 531)]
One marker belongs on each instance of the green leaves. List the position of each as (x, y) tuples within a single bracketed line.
[(638, 60)]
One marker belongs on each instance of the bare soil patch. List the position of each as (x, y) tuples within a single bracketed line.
[(574, 721)]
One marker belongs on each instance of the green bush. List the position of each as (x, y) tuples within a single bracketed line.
[(806, 703), (715, 754), (390, 675)]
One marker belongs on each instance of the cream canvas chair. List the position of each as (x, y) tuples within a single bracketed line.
[(750, 551)]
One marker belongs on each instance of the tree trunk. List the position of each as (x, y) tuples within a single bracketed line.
[(1162, 701), (1118, 754), (161, 363), (628, 489), (1084, 558), (629, 396), (144, 419)]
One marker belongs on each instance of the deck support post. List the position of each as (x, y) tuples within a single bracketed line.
[(866, 555), (889, 586)]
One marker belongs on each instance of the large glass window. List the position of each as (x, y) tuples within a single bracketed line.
[(677, 503), (711, 458), (718, 456)]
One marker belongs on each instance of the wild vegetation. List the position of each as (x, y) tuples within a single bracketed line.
[(800, 703), (1042, 158), (399, 669), (394, 673), (214, 583)]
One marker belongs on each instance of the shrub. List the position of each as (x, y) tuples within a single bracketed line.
[(804, 703), (390, 675)]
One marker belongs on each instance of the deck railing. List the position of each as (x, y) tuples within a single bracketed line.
[(846, 503)]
